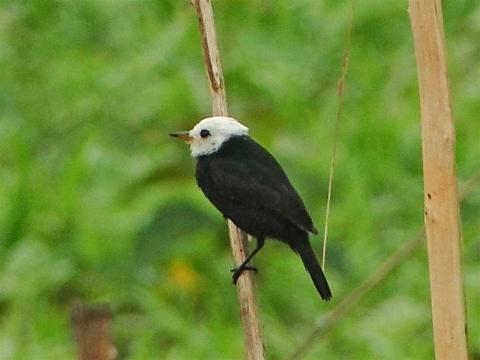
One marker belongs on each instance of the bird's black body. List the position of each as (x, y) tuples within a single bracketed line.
[(250, 188)]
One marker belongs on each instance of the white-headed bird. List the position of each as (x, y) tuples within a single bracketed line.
[(248, 186)]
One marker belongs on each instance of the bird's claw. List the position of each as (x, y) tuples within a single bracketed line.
[(238, 271), (246, 267)]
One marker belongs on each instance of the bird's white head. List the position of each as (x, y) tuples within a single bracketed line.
[(209, 134)]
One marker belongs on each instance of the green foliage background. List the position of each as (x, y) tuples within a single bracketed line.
[(98, 204)]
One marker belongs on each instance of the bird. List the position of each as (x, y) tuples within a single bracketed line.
[(249, 187)]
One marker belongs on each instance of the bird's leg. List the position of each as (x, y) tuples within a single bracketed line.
[(244, 265)]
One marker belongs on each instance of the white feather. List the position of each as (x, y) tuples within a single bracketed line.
[(221, 129)]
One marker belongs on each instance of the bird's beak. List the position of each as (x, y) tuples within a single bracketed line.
[(183, 135)]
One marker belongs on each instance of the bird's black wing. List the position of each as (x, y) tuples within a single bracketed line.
[(247, 173)]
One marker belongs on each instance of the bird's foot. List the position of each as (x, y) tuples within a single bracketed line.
[(238, 271)]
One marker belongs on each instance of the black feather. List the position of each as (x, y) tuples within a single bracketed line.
[(250, 188), (310, 261)]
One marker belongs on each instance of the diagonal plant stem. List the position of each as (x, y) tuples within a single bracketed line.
[(408, 248), (340, 94), (238, 238), (347, 304)]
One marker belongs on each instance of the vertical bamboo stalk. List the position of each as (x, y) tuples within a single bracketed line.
[(440, 184), (238, 238)]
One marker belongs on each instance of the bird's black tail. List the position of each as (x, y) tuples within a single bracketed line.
[(305, 251)]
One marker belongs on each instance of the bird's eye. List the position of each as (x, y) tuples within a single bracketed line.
[(204, 133)]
